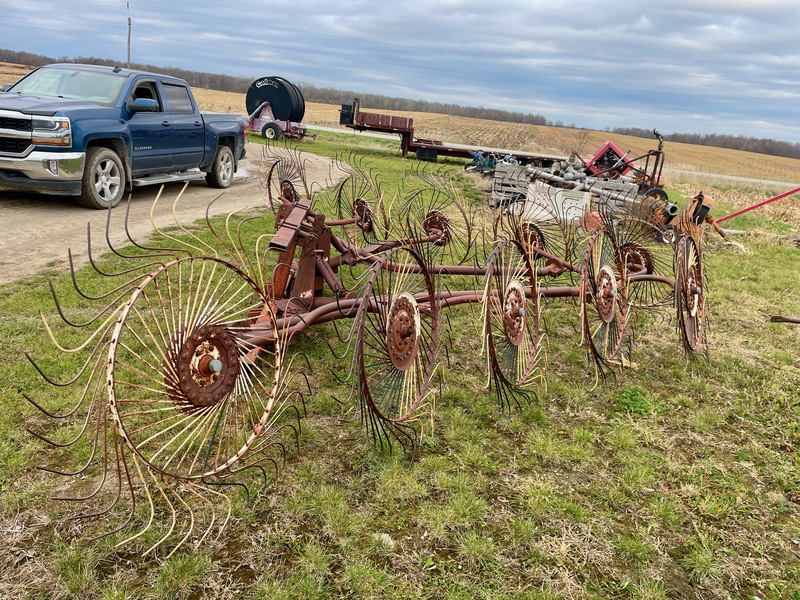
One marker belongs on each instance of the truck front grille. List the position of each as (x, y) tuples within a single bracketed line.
[(13, 146), (16, 124)]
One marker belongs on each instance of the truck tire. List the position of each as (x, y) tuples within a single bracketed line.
[(103, 183), (221, 173), (271, 131)]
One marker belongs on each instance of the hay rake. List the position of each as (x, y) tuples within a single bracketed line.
[(186, 385)]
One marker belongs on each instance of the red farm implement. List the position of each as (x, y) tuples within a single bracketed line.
[(187, 380)]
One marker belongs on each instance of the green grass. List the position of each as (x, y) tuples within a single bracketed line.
[(679, 479)]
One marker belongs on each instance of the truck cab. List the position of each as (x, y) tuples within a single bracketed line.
[(95, 132)]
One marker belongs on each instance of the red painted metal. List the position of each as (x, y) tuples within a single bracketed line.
[(759, 205)]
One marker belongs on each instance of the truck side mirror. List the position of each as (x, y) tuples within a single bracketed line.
[(143, 105)]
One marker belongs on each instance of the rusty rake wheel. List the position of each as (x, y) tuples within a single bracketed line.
[(644, 250), (434, 211), (511, 314), (544, 238), (546, 233), (284, 178), (396, 344), (690, 294), (187, 392), (358, 197), (604, 298)]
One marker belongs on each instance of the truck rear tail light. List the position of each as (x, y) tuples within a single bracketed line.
[(51, 131)]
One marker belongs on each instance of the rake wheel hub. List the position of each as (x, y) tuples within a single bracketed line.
[(403, 331), (437, 222), (636, 253), (514, 312), (531, 238), (362, 210), (207, 365), (606, 293)]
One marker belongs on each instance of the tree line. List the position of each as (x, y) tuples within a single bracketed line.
[(327, 95), (732, 142)]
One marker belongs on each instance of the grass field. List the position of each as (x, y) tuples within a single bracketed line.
[(678, 479)]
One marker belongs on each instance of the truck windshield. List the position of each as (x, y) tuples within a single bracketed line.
[(76, 84)]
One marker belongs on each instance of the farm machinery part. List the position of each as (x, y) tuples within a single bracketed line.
[(186, 387), (608, 171), (275, 108), (783, 319), (747, 209)]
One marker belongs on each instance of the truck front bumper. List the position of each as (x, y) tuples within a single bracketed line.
[(56, 173)]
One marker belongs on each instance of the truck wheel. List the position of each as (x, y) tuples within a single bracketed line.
[(103, 181), (271, 131), (221, 173)]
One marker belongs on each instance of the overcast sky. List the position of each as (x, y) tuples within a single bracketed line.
[(689, 66)]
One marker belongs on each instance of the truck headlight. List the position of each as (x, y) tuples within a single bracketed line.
[(51, 131)]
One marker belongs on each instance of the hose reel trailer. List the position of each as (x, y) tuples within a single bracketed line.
[(275, 107)]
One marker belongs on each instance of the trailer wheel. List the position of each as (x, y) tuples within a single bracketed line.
[(221, 173), (103, 179), (271, 131)]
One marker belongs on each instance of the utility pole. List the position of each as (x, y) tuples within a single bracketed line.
[(129, 34)]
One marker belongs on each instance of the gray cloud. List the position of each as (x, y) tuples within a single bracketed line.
[(700, 66)]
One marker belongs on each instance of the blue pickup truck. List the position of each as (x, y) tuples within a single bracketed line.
[(94, 132)]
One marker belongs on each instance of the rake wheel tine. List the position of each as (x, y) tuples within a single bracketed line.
[(149, 266), (132, 510), (266, 445), (53, 381), (296, 435), (447, 350), (127, 284), (149, 500), (261, 468), (302, 402), (58, 445), (257, 466), (304, 375), (101, 415), (188, 508), (208, 212), (264, 476), (127, 232), (227, 516), (48, 413), (332, 351), (257, 448), (102, 483), (214, 231), (242, 249), (80, 402), (155, 251), (126, 271), (64, 318), (204, 249), (275, 466), (339, 379), (228, 484), (173, 514)]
